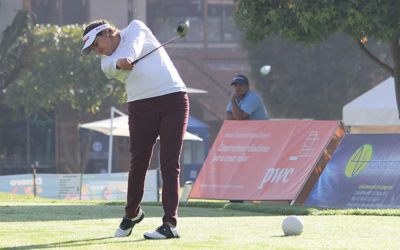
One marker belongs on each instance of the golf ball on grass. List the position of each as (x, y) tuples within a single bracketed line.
[(292, 225), (264, 70)]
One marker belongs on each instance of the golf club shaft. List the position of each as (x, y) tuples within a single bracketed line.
[(148, 53)]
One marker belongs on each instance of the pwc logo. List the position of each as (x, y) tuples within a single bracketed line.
[(359, 160), (276, 175)]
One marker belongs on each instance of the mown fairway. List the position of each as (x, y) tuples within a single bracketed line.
[(28, 223)]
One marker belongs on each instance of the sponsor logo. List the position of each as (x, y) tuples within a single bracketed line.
[(276, 175), (359, 160), (97, 146), (86, 39), (25, 182)]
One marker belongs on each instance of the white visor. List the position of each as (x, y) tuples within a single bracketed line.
[(88, 39)]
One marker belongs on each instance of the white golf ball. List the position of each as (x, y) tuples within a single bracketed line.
[(292, 225), (264, 70)]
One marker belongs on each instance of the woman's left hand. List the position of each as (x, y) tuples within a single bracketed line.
[(125, 64)]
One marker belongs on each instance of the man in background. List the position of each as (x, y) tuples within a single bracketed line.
[(245, 104)]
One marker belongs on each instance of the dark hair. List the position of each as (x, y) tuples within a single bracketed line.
[(97, 23)]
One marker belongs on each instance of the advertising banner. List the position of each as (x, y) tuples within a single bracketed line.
[(67, 186), (263, 160), (115, 186), (364, 172), (46, 185)]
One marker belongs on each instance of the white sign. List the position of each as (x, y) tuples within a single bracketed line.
[(69, 184), (151, 186)]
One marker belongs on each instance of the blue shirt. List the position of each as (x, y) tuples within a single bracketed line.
[(253, 105)]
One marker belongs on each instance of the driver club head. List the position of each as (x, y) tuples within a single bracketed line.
[(183, 28)]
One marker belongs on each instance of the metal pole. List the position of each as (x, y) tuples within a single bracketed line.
[(34, 181), (110, 143), (205, 23), (80, 186), (28, 141)]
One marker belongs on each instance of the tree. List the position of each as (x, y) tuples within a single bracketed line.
[(312, 81), (54, 76), (15, 44), (312, 21), (58, 74)]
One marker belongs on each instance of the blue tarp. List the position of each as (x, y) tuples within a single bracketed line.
[(191, 170), (200, 129)]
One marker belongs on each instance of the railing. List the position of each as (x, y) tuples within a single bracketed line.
[(16, 165)]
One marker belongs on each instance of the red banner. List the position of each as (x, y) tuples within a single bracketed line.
[(262, 160)]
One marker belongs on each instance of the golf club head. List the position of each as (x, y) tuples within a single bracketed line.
[(183, 28)]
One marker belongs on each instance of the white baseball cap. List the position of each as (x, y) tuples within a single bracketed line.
[(88, 39)]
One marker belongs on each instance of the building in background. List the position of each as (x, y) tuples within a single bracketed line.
[(8, 10), (207, 58)]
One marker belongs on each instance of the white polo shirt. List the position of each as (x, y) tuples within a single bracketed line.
[(155, 75)]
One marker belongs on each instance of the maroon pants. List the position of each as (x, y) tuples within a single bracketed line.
[(165, 116)]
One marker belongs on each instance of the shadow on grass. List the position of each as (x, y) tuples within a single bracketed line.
[(57, 212), (283, 236), (112, 210), (74, 243)]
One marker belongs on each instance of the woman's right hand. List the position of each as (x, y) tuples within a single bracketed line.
[(125, 64)]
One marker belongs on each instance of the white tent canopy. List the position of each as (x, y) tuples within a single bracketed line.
[(121, 128), (196, 91), (376, 107)]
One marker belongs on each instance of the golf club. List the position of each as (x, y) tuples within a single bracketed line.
[(181, 30)]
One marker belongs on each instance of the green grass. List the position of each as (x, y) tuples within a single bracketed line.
[(36, 223)]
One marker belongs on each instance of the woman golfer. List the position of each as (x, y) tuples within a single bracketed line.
[(158, 105)]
